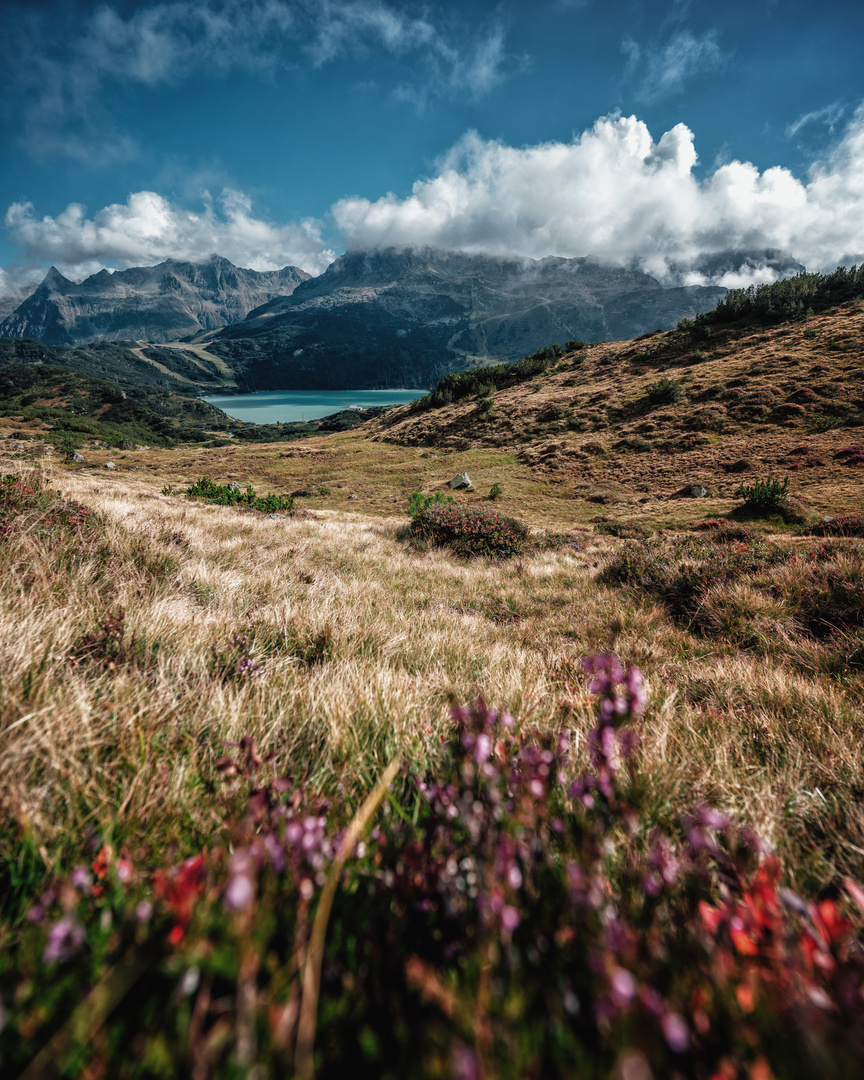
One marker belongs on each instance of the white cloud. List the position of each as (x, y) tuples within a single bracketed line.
[(615, 193), (147, 229), (663, 71), (830, 116), (60, 92)]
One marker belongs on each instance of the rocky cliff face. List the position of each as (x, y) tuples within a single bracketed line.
[(407, 317), (147, 303)]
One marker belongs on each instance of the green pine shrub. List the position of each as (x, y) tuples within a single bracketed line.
[(663, 391), (419, 502), (222, 495), (765, 495)]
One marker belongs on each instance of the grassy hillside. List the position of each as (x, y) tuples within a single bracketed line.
[(196, 701)]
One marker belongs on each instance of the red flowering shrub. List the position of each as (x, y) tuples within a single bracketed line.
[(471, 530), (844, 525)]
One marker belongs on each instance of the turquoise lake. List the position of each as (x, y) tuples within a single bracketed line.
[(286, 406)]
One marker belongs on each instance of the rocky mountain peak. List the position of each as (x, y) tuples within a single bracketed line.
[(54, 281), (165, 302)]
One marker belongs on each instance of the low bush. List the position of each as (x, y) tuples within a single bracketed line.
[(483, 381), (471, 530), (845, 525), (765, 495), (663, 391), (420, 502), (495, 492), (725, 531), (223, 495), (487, 926), (817, 593), (680, 573)]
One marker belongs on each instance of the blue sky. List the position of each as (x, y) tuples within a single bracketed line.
[(283, 131)]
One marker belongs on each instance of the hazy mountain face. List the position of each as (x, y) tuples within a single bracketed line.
[(407, 317), (148, 303)]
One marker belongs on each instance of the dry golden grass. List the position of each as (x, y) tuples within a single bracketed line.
[(362, 643)]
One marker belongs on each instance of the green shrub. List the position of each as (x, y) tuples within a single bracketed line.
[(663, 391), (765, 494), (471, 530), (419, 502), (793, 298), (825, 423), (483, 381), (223, 495), (495, 491)]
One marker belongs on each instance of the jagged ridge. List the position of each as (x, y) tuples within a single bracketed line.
[(146, 303)]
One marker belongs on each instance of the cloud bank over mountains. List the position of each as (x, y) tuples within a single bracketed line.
[(147, 229), (616, 193), (613, 192)]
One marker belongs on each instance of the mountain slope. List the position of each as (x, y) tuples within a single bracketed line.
[(626, 423), (407, 317), (149, 303)]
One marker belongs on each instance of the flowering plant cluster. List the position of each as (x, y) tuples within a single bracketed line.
[(843, 525), (235, 661), (26, 503), (516, 914), (471, 530)]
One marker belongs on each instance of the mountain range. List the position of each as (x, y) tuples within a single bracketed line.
[(381, 318), (406, 317), (146, 303)]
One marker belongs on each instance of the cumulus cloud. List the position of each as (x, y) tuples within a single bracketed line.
[(664, 70), (58, 81), (616, 193), (147, 228)]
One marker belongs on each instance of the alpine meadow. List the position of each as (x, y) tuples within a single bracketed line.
[(515, 732)]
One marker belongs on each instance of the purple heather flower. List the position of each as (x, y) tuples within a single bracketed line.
[(466, 1065), (274, 850), (240, 890), (676, 1031), (143, 911), (510, 918), (710, 818), (482, 748), (239, 893), (81, 878), (623, 987), (64, 940)]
